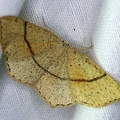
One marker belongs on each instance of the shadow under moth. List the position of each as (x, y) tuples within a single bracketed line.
[(61, 75)]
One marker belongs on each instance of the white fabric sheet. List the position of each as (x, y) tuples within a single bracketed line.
[(96, 19)]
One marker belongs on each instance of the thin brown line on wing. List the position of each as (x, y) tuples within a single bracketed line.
[(31, 51)]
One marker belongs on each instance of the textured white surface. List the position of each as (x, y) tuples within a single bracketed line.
[(76, 21)]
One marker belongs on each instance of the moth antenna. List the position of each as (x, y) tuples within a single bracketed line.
[(50, 28), (81, 47)]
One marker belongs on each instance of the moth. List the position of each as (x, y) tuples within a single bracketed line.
[(61, 74)]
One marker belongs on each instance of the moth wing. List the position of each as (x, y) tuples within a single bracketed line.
[(10, 29), (20, 64), (45, 46), (59, 68), (28, 46), (80, 67), (96, 93), (25, 70), (55, 91)]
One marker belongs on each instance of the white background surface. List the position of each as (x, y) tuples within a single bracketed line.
[(99, 19)]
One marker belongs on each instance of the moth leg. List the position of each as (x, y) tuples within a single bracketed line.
[(86, 48)]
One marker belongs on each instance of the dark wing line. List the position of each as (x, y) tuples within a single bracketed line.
[(25, 31), (81, 80), (91, 80)]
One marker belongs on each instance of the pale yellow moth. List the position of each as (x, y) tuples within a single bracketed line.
[(61, 74)]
